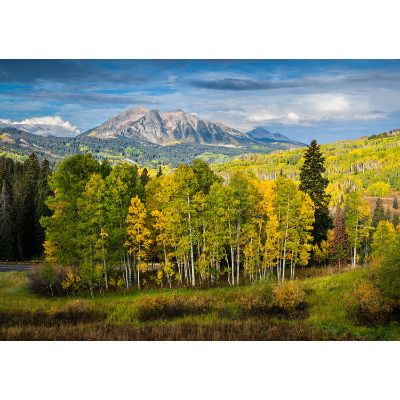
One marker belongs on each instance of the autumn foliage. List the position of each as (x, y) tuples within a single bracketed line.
[(365, 304), (288, 296)]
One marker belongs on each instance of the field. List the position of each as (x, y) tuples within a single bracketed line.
[(185, 314)]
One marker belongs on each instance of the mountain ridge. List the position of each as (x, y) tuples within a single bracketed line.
[(262, 135), (143, 136), (168, 127)]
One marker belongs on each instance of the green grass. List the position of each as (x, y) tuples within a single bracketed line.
[(115, 315)]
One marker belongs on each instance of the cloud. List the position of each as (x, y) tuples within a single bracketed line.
[(311, 109), (240, 84), (45, 126), (291, 94)]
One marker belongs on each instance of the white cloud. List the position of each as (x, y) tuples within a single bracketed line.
[(293, 117), (309, 109), (45, 126)]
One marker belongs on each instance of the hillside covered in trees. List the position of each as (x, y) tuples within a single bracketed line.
[(110, 231), (24, 189), (113, 227), (369, 164), (19, 144)]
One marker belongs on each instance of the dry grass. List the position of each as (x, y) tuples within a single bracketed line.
[(239, 313), (249, 329)]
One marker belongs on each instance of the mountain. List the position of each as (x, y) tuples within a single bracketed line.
[(142, 136), (43, 126), (168, 128), (262, 135)]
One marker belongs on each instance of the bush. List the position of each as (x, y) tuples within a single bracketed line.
[(78, 311), (259, 303), (253, 304), (47, 280), (288, 296), (365, 304), (164, 307)]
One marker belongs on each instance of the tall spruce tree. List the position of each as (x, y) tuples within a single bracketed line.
[(395, 203), (313, 182), (144, 177), (379, 213), (341, 250), (6, 220)]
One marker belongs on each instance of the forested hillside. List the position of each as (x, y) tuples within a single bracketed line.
[(369, 164), (118, 149), (112, 231), (24, 189)]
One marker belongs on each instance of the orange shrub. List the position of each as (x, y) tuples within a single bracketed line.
[(172, 306), (253, 304), (365, 304), (288, 296)]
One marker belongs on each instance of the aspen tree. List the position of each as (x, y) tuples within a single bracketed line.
[(138, 235)]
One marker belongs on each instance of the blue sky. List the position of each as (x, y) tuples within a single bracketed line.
[(304, 99)]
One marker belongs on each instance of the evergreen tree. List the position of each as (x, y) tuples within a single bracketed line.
[(379, 213), (396, 220), (341, 248), (159, 172), (6, 220), (144, 177), (388, 214), (395, 203), (313, 182)]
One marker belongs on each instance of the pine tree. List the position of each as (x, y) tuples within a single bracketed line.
[(379, 213), (159, 172), (340, 240), (388, 214), (395, 203), (144, 177), (6, 221), (313, 182)]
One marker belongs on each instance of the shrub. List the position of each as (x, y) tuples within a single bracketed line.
[(288, 296), (47, 280), (253, 304), (365, 304), (78, 311), (161, 307)]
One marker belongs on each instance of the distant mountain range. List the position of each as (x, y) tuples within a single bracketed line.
[(262, 135), (168, 128), (143, 136)]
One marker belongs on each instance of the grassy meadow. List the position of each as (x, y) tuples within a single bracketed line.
[(237, 313)]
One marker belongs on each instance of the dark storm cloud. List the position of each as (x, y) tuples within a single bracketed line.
[(245, 84), (333, 78), (78, 97), (69, 71)]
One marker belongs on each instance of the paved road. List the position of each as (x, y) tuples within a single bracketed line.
[(4, 267)]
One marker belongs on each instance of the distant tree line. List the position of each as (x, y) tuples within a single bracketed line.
[(23, 191), (121, 148)]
